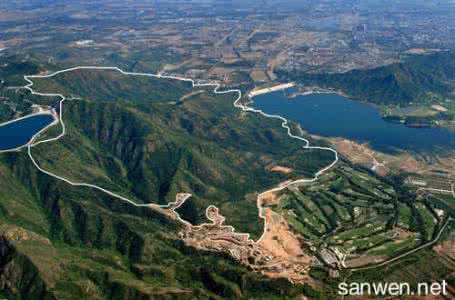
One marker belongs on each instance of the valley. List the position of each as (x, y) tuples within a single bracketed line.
[(288, 248), (225, 149)]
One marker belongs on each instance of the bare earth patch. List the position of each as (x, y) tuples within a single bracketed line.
[(281, 169), (258, 75), (270, 199), (285, 247), (363, 260), (447, 248), (278, 254), (439, 108), (384, 164)]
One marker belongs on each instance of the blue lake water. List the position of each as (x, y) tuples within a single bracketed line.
[(331, 115), (19, 133)]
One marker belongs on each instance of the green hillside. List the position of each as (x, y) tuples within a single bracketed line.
[(151, 151), (112, 85), (400, 83), (60, 241), (73, 243)]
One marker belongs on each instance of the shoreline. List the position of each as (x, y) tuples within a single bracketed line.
[(275, 88), (314, 90), (306, 91), (43, 112), (55, 121)]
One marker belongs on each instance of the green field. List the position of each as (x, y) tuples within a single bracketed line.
[(360, 214)]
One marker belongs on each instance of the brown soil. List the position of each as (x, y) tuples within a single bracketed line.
[(270, 199), (384, 164), (402, 234), (285, 249), (447, 248), (258, 75), (281, 169), (278, 239), (364, 260), (279, 253)]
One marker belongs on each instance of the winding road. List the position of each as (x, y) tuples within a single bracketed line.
[(180, 199), (172, 205)]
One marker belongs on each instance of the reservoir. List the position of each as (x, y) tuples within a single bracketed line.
[(331, 115), (18, 133)]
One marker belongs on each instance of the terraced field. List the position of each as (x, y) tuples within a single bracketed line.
[(355, 218)]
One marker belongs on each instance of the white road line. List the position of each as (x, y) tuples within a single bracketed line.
[(172, 205), (26, 117), (412, 251), (436, 190), (285, 125)]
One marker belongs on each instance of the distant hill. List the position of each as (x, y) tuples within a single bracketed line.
[(399, 83)]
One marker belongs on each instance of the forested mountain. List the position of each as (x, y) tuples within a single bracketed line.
[(69, 242), (399, 83)]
